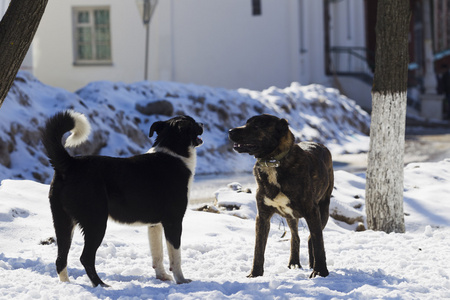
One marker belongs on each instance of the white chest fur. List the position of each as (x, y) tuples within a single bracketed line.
[(190, 161), (281, 201)]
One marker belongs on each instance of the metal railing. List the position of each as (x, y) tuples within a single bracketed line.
[(352, 61)]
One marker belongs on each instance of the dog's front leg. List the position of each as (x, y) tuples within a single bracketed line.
[(294, 260), (172, 232), (262, 232), (175, 263), (156, 249)]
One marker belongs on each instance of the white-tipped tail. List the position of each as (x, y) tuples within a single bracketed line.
[(80, 132)]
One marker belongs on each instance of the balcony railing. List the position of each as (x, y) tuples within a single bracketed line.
[(352, 61)]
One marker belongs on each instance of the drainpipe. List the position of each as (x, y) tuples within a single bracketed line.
[(431, 102), (146, 9)]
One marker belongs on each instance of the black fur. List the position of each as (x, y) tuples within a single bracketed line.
[(294, 181), (149, 188)]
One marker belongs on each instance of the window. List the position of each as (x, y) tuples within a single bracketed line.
[(92, 37), (256, 7)]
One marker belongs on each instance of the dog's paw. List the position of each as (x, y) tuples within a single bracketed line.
[(254, 274), (294, 266), (184, 280), (164, 277), (322, 273)]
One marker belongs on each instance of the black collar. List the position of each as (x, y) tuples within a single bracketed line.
[(271, 162), (268, 163)]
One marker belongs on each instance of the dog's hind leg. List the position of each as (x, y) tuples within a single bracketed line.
[(172, 232), (294, 260), (64, 226), (324, 207), (316, 247), (94, 231), (310, 252), (156, 249)]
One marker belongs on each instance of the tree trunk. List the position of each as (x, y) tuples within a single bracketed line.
[(17, 29), (384, 186)]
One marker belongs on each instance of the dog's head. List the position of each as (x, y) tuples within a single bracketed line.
[(177, 134), (260, 136)]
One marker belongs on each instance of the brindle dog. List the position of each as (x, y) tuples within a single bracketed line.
[(294, 180)]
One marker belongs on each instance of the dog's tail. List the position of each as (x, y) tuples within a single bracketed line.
[(53, 132)]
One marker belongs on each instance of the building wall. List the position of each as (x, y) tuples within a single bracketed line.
[(53, 46), (347, 29), (347, 23), (3, 7), (220, 43), (209, 42), (311, 45)]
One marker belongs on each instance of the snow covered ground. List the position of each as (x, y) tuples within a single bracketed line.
[(217, 250)]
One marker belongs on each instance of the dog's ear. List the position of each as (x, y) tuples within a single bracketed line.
[(157, 127), (283, 126)]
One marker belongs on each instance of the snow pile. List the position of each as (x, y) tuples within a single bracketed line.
[(121, 116), (346, 207), (236, 201), (217, 251), (425, 183)]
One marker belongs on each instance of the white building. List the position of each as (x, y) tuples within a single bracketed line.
[(234, 43)]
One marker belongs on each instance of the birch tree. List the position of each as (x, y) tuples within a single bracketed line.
[(17, 29), (384, 185)]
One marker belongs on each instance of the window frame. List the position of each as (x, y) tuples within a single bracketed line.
[(77, 61)]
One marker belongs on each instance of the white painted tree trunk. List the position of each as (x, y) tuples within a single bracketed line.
[(384, 186)]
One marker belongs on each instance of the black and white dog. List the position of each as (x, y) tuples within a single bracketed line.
[(149, 189)]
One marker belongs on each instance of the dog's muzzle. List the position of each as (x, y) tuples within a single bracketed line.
[(198, 141), (244, 148), (233, 135)]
